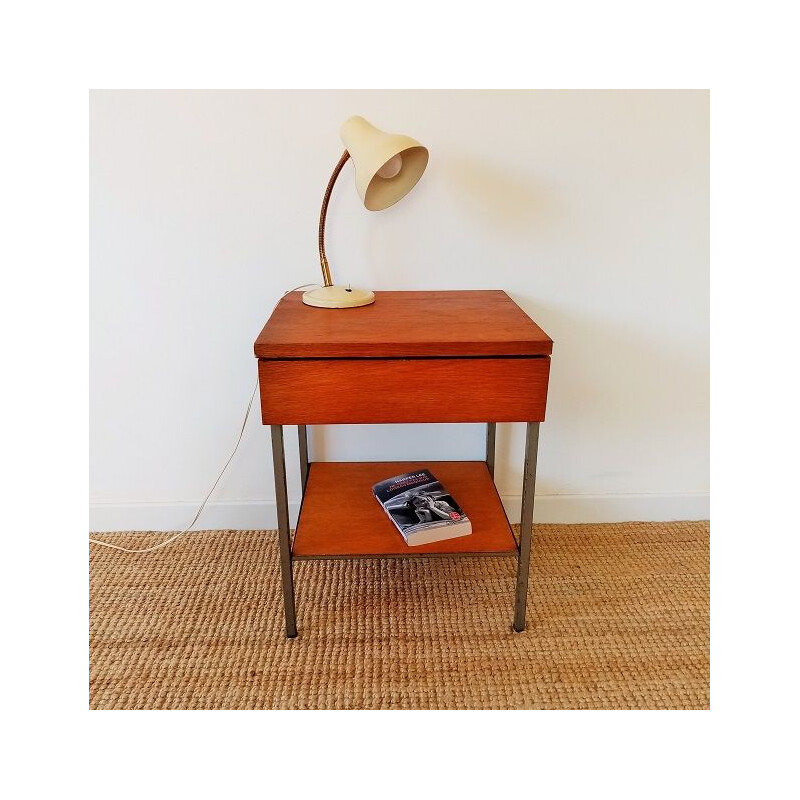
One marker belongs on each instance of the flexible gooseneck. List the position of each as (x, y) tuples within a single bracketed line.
[(323, 260)]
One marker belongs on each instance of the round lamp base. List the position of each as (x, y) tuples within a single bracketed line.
[(338, 297)]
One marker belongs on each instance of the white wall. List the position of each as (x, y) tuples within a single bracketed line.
[(590, 208)]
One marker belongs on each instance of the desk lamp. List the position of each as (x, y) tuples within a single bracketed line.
[(387, 168)]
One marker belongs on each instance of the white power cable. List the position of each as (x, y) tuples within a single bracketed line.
[(219, 477)]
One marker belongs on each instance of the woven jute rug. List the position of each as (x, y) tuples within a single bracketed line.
[(618, 617)]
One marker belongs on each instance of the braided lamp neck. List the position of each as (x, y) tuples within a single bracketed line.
[(323, 261)]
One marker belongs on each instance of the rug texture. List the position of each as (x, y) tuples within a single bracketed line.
[(618, 617)]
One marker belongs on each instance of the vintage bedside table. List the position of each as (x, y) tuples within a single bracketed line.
[(458, 356)]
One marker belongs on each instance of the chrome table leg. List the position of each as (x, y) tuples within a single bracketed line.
[(526, 525), (282, 502), (302, 439), (491, 432)]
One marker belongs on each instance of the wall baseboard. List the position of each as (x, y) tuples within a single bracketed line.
[(261, 514)]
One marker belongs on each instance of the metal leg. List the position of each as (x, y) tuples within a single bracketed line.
[(491, 432), (526, 525), (302, 438), (283, 530)]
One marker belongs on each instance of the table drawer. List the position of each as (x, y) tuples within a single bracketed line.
[(330, 391)]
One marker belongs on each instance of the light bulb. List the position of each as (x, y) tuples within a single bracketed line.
[(391, 168)]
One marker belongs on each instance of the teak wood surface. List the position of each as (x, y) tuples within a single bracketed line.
[(404, 324), (335, 391), (340, 516)]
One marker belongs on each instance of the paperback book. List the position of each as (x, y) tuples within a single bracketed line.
[(421, 508)]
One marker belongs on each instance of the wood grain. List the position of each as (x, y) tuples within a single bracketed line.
[(399, 324), (340, 516), (335, 391)]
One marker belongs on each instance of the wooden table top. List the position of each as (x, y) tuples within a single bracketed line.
[(404, 324)]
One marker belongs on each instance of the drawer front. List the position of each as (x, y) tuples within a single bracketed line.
[(330, 391)]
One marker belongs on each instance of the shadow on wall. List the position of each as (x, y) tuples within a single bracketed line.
[(610, 379), (500, 203), (509, 201)]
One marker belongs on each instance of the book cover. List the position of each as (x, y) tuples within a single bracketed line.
[(421, 508)]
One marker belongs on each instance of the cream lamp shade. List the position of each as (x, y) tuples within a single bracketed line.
[(387, 167)]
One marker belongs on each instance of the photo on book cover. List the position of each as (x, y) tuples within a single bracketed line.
[(418, 500), (426, 504)]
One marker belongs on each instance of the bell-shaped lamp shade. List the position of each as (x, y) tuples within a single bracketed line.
[(387, 165)]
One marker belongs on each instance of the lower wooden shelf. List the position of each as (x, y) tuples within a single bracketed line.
[(340, 517)]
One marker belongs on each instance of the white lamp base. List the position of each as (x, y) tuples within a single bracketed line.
[(338, 297)]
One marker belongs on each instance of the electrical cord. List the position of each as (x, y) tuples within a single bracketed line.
[(219, 477)]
